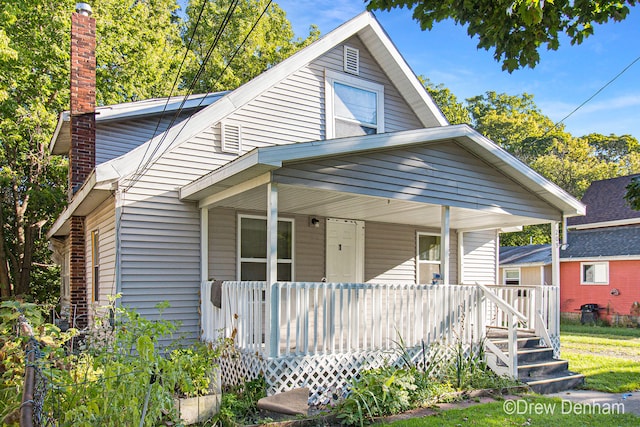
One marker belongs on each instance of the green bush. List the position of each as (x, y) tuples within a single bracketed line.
[(121, 377)]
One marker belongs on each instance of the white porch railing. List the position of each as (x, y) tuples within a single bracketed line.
[(338, 318)]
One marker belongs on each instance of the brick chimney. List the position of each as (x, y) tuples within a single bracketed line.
[(82, 151)]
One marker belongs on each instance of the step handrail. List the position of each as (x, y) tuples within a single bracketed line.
[(505, 306), (511, 359)]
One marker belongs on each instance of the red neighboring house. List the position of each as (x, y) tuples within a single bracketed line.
[(601, 263)]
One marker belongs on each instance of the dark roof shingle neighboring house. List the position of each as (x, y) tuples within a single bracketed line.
[(603, 242), (530, 254), (605, 202)]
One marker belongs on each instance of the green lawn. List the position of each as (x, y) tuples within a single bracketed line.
[(533, 411), (608, 357)]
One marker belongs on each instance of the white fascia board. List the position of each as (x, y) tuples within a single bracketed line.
[(603, 224), (54, 146), (526, 264), (78, 198), (102, 181), (412, 80), (199, 188), (156, 106), (602, 258)]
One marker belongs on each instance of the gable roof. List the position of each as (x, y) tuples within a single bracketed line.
[(603, 242), (529, 254), (254, 164), (606, 205), (365, 26)]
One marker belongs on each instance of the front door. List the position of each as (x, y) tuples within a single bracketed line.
[(345, 251)]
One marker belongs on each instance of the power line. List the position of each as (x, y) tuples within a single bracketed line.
[(143, 165), (593, 96), (175, 81)]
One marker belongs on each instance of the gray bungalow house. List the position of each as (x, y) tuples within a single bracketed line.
[(316, 214)]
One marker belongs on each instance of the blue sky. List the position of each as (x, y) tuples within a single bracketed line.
[(560, 82)]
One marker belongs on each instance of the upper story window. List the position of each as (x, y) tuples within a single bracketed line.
[(594, 273), (354, 106)]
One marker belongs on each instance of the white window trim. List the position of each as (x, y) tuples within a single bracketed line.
[(582, 282), (418, 260), (504, 275), (240, 260), (332, 77)]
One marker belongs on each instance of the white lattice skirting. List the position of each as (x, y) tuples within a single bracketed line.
[(324, 374)]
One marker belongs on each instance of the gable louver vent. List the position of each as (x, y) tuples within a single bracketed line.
[(351, 60), (231, 138)]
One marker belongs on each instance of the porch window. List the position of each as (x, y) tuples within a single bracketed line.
[(594, 273), (428, 257), (354, 106), (511, 276), (253, 249)]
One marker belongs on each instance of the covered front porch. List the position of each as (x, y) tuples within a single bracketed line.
[(327, 255)]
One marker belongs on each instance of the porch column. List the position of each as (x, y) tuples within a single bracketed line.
[(206, 315), (445, 232), (554, 303), (272, 330)]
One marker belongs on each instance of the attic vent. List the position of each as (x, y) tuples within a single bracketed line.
[(231, 138), (351, 60)]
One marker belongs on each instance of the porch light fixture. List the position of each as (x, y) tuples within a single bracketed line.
[(314, 222)]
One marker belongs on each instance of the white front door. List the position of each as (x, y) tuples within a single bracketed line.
[(345, 251)]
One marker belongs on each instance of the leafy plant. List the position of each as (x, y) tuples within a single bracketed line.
[(377, 392), (239, 404)]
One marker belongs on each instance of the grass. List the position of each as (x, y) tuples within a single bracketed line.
[(533, 411), (609, 357)]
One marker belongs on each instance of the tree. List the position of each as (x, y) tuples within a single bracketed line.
[(270, 42), (455, 112), (137, 52), (514, 122), (516, 29), (633, 194)]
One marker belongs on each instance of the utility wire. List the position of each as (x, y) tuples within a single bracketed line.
[(214, 44), (592, 96), (175, 81), (233, 56)]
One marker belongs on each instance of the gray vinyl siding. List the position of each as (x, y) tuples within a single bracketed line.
[(479, 263), (294, 110), (390, 253), (102, 220), (160, 239), (442, 173), (117, 137)]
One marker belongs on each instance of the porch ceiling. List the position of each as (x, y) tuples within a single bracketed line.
[(324, 203)]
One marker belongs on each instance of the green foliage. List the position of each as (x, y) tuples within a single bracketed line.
[(377, 392), (239, 404), (269, 43), (539, 234), (108, 382), (515, 30), (633, 194), (13, 341), (455, 112)]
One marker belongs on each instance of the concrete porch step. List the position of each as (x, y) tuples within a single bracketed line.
[(541, 368), (536, 365), (553, 384)]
